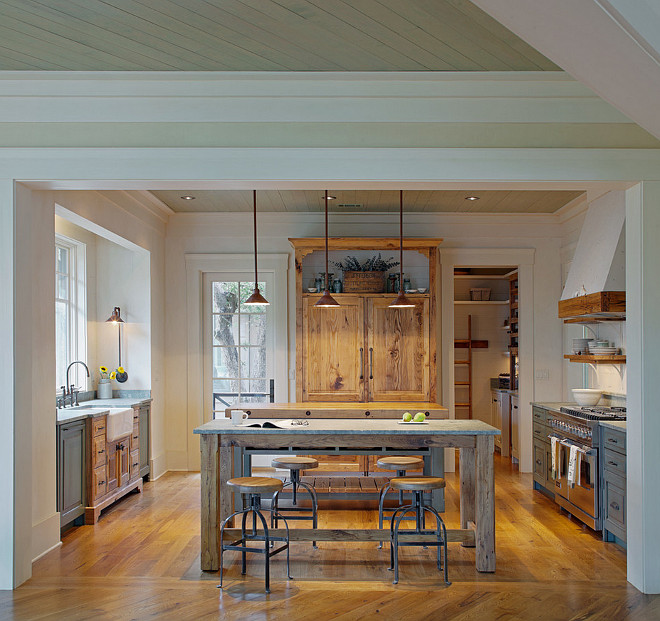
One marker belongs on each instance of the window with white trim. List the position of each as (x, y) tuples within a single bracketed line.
[(70, 311)]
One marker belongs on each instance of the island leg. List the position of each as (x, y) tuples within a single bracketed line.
[(468, 487), (210, 502), (485, 533)]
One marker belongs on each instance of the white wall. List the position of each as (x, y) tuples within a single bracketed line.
[(585, 230), (37, 521), (123, 280)]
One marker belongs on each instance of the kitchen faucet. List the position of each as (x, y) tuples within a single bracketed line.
[(68, 391)]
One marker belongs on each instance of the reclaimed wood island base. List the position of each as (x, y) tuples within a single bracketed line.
[(473, 438)]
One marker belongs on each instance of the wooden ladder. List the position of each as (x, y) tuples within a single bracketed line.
[(468, 344)]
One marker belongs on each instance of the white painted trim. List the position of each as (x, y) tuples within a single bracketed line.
[(303, 168), (8, 413), (196, 266), (53, 547), (523, 258)]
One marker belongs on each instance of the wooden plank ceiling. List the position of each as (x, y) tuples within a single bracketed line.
[(490, 201), (258, 35)]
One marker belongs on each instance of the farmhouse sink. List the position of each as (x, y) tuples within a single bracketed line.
[(120, 423)]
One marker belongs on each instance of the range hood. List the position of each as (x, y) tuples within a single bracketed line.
[(596, 282)]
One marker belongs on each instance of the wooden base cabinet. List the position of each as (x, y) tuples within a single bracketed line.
[(110, 470), (71, 464)]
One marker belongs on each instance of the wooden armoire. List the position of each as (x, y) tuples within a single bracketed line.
[(365, 351)]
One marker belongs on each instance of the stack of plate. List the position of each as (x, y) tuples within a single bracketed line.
[(603, 351), (580, 346)]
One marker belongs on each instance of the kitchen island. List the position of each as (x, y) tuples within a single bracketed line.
[(473, 438)]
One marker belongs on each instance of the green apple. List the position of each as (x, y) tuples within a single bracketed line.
[(420, 417), (407, 417)]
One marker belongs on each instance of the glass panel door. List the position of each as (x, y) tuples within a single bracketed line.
[(239, 343)]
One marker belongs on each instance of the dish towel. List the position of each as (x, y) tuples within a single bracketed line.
[(554, 445), (572, 463)]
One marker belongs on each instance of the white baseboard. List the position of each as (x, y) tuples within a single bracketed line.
[(45, 536), (157, 467)]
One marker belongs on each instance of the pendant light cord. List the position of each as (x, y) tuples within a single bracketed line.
[(254, 196), (400, 241), (326, 240)]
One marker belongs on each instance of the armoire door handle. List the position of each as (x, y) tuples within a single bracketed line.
[(371, 363), (361, 362)]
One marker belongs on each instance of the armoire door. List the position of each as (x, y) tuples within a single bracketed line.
[(333, 350), (397, 356)]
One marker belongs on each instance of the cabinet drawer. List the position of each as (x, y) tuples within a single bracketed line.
[(539, 415), (540, 432), (615, 504), (98, 426), (134, 464), (614, 462), (614, 439), (539, 462), (99, 455), (135, 437), (99, 482)]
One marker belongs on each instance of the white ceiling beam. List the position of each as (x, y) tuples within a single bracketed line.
[(611, 47)]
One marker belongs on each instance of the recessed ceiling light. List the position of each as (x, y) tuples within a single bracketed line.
[(187, 197), (471, 198), (330, 198)]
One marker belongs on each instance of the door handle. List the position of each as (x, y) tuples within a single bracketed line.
[(371, 363), (615, 506), (361, 362)]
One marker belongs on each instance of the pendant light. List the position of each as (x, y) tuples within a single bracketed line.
[(401, 301), (326, 300), (256, 299)]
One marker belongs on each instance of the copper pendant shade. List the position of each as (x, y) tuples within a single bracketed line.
[(401, 301), (256, 299), (326, 300)]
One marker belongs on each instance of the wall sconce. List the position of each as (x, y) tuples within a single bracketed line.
[(121, 376)]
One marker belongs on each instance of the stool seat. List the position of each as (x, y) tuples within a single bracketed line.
[(294, 463), (417, 484), (391, 462), (255, 485)]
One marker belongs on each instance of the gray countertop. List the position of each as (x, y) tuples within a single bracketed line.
[(96, 407), (553, 405), (619, 425), (351, 426)]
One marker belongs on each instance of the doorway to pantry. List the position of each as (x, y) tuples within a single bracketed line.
[(486, 350)]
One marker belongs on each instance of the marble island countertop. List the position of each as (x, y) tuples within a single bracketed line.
[(354, 427)]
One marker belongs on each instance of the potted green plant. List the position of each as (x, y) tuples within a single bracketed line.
[(367, 277)]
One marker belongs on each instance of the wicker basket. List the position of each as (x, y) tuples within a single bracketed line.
[(364, 282)]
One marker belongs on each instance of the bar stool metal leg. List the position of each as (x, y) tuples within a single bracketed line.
[(295, 482)]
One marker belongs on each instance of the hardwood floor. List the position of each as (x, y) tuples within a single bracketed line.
[(141, 561)]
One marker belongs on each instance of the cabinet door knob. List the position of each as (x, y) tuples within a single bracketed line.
[(539, 462), (612, 463), (614, 506)]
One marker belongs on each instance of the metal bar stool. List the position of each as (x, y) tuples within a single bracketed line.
[(417, 485), (254, 487), (294, 465), (401, 465)]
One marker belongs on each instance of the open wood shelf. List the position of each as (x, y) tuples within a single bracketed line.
[(585, 321), (618, 359), (481, 301)]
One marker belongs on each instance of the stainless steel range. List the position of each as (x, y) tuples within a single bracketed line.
[(577, 426)]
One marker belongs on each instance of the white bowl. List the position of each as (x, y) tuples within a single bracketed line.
[(587, 396)]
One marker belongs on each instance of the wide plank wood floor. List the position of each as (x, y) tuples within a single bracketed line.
[(141, 561)]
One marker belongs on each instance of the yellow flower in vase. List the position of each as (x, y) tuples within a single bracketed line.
[(112, 375), (120, 370)]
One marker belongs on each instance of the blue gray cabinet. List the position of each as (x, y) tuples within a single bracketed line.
[(71, 464), (613, 477), (541, 452), (144, 412)]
